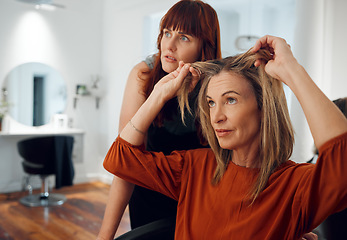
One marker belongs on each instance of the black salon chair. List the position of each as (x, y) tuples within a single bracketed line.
[(45, 156), (160, 229)]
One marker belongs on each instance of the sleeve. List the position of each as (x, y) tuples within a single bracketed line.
[(150, 60), (151, 170), (323, 190)]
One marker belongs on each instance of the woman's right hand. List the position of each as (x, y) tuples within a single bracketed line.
[(169, 85), (163, 91)]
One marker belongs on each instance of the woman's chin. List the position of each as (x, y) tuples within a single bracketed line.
[(225, 145), (169, 67)]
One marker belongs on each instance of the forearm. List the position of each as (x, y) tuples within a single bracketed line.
[(324, 118), (119, 196), (140, 122), (163, 91)]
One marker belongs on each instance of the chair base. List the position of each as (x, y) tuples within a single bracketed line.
[(36, 200)]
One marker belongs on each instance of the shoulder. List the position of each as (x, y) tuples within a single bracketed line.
[(150, 60), (140, 67), (292, 170), (293, 166), (200, 151), (199, 165), (200, 156), (135, 78), (146, 65), (336, 142)]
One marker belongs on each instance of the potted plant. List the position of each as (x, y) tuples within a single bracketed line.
[(3, 110)]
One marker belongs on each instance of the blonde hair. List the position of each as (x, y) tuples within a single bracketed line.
[(277, 136)]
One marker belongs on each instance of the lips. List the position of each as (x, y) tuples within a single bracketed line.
[(170, 58), (222, 132)]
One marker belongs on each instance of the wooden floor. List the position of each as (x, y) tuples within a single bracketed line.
[(79, 217)]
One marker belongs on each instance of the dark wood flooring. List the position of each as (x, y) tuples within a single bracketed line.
[(78, 218)]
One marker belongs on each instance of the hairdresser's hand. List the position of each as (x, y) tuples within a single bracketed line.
[(283, 61), (169, 85), (310, 236)]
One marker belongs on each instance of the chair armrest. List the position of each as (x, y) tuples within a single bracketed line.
[(154, 230)]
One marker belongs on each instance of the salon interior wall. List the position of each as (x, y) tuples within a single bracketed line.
[(69, 40), (319, 45)]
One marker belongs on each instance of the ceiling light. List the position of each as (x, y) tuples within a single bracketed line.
[(37, 2), (43, 4), (47, 7)]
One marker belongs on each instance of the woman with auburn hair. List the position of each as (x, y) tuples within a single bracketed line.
[(244, 186), (189, 32)]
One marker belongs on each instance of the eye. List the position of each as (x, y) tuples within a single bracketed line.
[(185, 39), (167, 33), (211, 103), (231, 100)]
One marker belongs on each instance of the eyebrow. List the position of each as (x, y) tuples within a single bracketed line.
[(179, 32), (185, 33), (228, 92)]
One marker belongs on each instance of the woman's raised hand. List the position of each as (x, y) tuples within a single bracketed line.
[(169, 85), (282, 63)]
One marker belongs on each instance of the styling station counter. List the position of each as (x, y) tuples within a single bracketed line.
[(11, 170)]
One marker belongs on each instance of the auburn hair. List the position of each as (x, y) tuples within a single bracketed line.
[(193, 17)]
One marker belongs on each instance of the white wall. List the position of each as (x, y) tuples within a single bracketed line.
[(69, 40), (319, 46)]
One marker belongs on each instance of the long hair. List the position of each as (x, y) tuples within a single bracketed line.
[(277, 136), (193, 17)]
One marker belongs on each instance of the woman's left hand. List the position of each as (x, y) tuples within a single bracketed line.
[(282, 63)]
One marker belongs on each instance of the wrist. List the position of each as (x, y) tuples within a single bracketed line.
[(157, 98), (135, 131), (295, 74), (156, 101)]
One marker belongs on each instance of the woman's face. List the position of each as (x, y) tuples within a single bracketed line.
[(234, 112), (178, 46)]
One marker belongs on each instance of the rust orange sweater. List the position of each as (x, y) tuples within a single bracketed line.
[(298, 197)]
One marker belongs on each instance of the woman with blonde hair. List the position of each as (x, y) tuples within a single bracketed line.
[(276, 130), (244, 186)]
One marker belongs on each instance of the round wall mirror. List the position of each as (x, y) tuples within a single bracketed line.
[(34, 92)]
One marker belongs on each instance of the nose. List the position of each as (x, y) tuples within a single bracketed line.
[(172, 44), (217, 114)]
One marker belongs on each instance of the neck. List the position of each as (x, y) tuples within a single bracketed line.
[(248, 159)]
